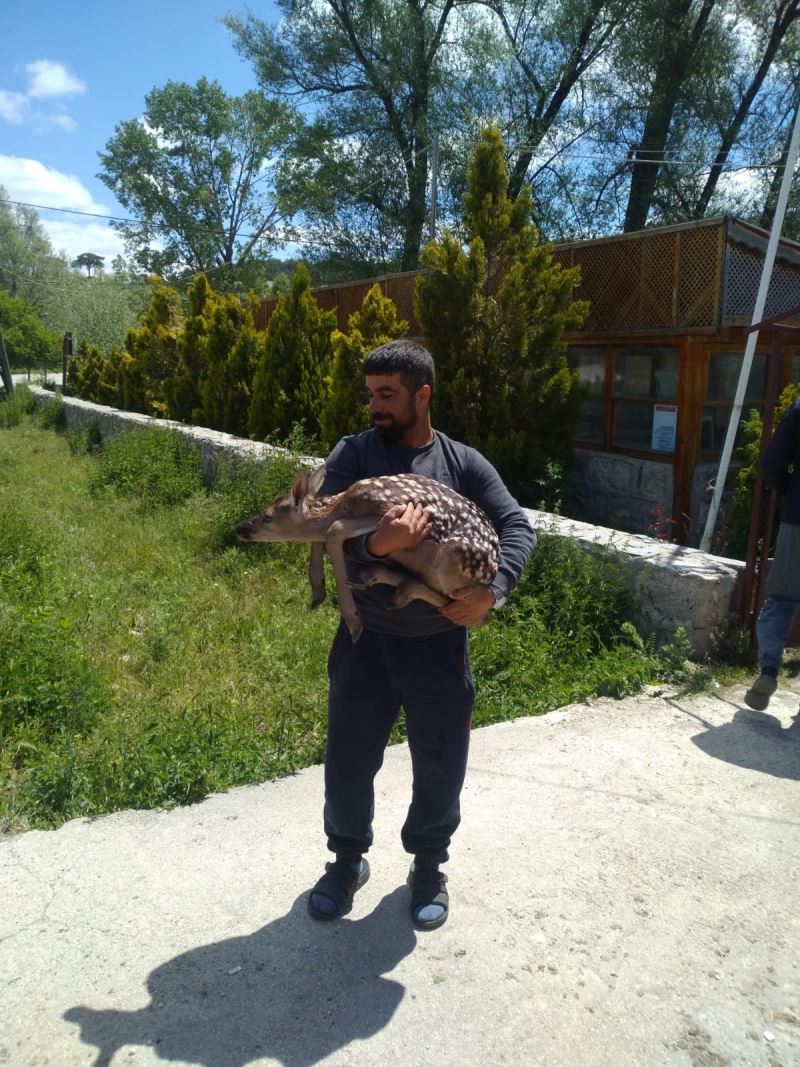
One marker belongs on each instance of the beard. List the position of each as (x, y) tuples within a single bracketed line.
[(393, 429)]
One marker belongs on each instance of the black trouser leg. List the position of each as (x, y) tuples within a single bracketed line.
[(438, 696), (362, 708)]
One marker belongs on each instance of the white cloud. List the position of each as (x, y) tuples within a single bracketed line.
[(64, 121), (13, 106), (33, 182), (76, 237), (52, 79)]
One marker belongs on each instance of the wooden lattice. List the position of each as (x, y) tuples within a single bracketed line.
[(660, 279), (699, 276), (745, 265)]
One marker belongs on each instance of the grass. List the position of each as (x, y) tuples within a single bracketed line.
[(146, 659)]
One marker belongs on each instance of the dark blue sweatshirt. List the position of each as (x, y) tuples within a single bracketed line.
[(369, 455), (781, 453)]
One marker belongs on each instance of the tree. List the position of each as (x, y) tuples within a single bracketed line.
[(346, 410), (26, 251), (197, 171), (380, 77), (152, 352), (88, 261), (493, 317), (28, 343), (289, 384), (552, 46)]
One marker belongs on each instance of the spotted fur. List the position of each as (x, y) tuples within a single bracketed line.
[(462, 548)]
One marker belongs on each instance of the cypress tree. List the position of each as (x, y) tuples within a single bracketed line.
[(153, 352), (183, 389), (375, 323), (493, 317), (289, 384)]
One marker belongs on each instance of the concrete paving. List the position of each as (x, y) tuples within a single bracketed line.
[(624, 891)]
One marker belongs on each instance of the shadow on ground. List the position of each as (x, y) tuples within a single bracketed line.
[(754, 740), (295, 990)]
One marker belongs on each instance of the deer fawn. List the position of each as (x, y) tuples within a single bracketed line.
[(462, 548)]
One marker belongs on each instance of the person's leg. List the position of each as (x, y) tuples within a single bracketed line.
[(361, 711), (773, 627), (438, 696)]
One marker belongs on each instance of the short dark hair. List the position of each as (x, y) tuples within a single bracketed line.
[(411, 360)]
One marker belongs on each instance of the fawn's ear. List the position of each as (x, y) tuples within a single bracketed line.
[(317, 480), (300, 488)]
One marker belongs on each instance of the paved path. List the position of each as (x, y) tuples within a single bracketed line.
[(624, 891)]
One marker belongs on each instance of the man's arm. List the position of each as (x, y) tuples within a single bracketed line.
[(484, 486)]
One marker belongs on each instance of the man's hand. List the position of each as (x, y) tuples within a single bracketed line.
[(402, 526), (469, 605)]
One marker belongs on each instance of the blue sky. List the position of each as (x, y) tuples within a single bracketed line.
[(70, 70)]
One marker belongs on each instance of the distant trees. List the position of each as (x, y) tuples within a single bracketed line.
[(197, 172)]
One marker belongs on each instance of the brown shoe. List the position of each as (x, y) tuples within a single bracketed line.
[(758, 695)]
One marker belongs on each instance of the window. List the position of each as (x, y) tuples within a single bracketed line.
[(723, 377), (645, 390), (590, 365)]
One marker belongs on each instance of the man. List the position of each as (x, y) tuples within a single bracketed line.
[(415, 657), (781, 468)]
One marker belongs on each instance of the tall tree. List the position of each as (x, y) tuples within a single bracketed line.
[(551, 47), (88, 261), (381, 78), (197, 171), (493, 317)]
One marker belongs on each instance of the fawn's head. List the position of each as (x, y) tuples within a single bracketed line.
[(287, 517)]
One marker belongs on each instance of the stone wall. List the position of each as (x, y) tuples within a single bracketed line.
[(608, 487), (674, 586)]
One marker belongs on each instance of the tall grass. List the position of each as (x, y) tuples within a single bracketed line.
[(146, 659)]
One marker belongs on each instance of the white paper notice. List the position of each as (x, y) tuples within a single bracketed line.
[(665, 421)]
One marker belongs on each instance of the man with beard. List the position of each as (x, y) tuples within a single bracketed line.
[(415, 657)]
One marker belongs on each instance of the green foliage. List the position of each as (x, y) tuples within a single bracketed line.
[(155, 466), (15, 407), (53, 415), (745, 481), (289, 384), (345, 410), (152, 352), (28, 343), (182, 390), (198, 173), (493, 317)]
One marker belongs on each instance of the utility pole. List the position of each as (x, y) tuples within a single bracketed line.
[(434, 183)]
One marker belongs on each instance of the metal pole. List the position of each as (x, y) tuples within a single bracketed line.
[(434, 183), (758, 313), (5, 368)]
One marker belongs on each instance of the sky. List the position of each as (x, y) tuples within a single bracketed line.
[(71, 70)]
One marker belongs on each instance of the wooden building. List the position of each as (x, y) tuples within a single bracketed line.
[(660, 353)]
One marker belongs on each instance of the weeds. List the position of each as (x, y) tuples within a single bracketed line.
[(146, 661), (155, 466)]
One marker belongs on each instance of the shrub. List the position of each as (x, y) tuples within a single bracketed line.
[(158, 466), (15, 407), (53, 416)]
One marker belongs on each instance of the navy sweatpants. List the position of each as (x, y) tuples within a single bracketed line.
[(431, 679)]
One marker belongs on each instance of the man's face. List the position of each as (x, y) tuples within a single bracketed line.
[(395, 410)]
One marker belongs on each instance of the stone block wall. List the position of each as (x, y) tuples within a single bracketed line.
[(674, 586), (629, 492)]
